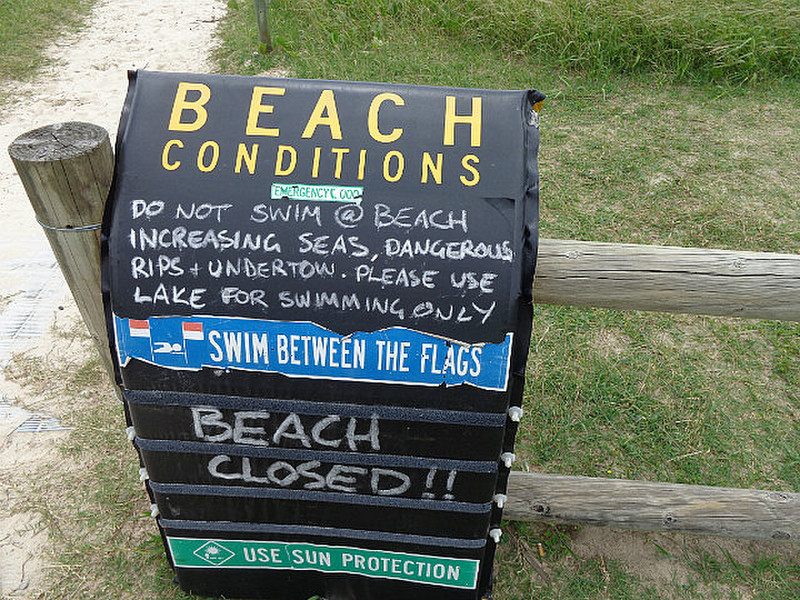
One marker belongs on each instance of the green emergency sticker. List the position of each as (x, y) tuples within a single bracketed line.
[(242, 554), (318, 193)]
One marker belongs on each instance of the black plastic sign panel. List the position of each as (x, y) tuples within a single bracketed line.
[(318, 295)]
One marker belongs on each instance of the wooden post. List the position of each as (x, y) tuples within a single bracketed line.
[(262, 19), (755, 285), (654, 506), (67, 170)]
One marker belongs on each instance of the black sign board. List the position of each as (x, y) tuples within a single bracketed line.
[(319, 299)]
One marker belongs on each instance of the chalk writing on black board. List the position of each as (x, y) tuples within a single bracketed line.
[(231, 467), (259, 428), (358, 256)]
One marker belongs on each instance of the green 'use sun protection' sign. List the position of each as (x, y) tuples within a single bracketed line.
[(200, 553)]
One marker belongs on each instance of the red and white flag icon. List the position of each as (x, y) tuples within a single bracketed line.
[(192, 331), (139, 328)]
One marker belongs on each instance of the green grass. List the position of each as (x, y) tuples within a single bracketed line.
[(662, 398), (711, 40), (27, 27), (668, 567)]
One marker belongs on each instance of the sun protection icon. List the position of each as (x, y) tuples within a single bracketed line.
[(214, 553)]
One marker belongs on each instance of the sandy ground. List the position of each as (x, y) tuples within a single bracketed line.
[(86, 83)]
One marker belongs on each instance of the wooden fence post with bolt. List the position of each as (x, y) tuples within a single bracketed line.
[(66, 170)]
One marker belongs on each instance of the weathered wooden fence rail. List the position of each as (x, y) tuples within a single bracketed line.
[(653, 506), (67, 168), (756, 285)]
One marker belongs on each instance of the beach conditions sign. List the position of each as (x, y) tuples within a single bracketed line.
[(319, 300)]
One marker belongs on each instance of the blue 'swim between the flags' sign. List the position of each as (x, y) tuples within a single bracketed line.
[(304, 349)]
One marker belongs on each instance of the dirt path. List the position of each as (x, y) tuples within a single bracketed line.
[(86, 83)]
